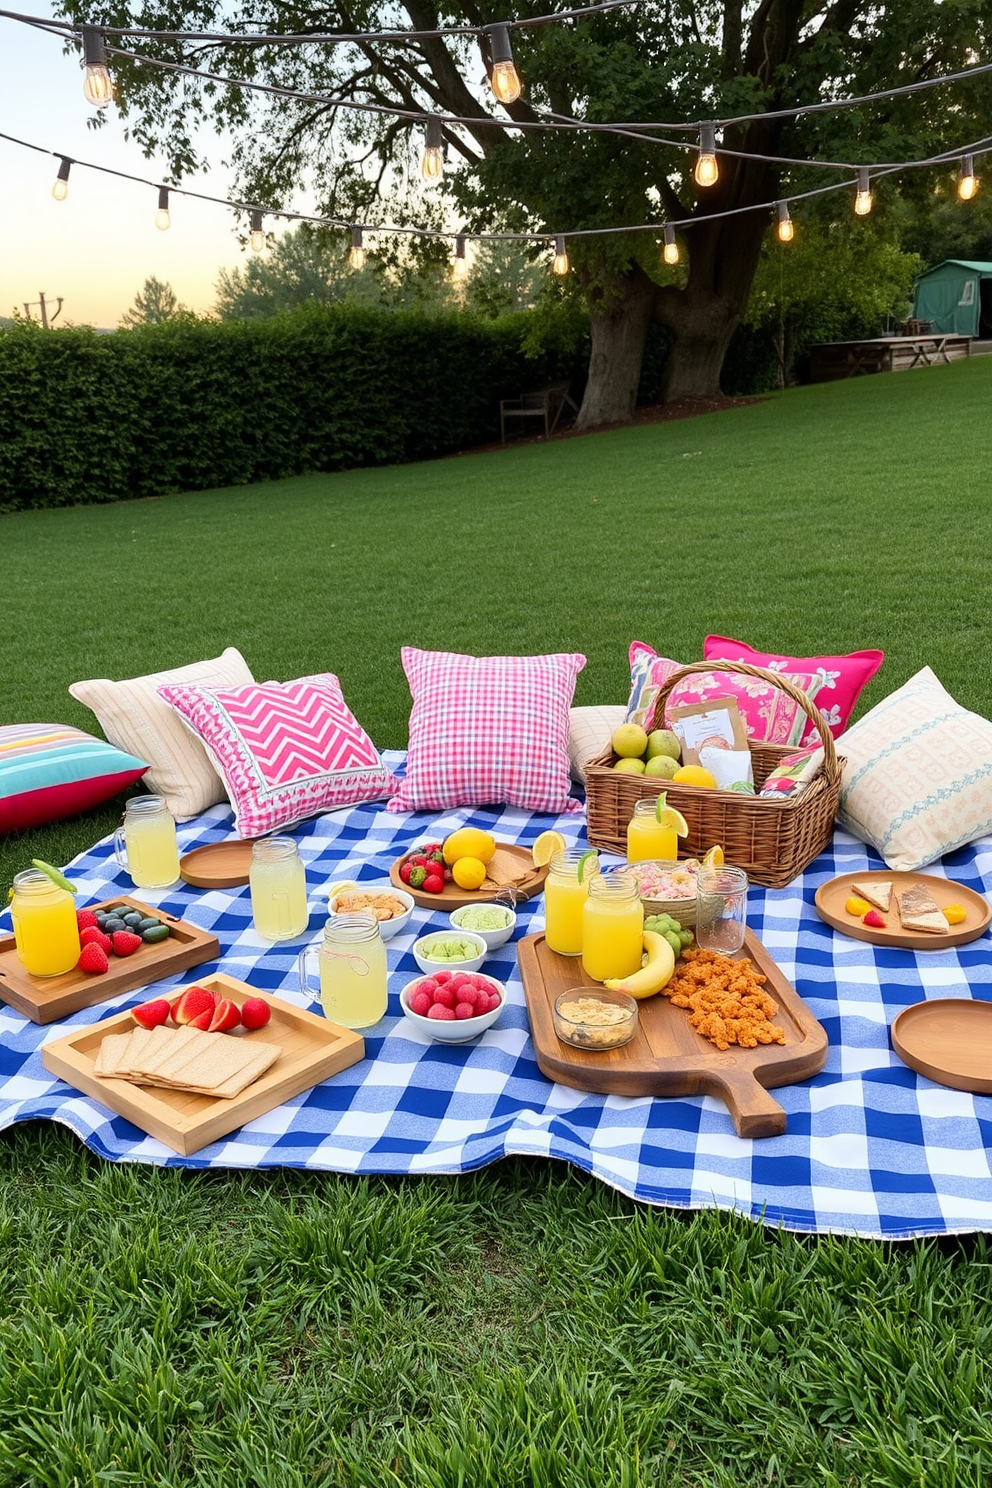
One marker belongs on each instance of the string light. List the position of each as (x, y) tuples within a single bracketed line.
[(559, 264), (504, 79), (967, 180), (862, 201), (707, 171), (61, 188), (162, 218), (459, 269), (670, 252), (257, 238), (356, 253), (786, 228), (432, 160), (98, 88)]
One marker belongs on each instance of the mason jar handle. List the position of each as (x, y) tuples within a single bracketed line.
[(302, 973), (120, 849)]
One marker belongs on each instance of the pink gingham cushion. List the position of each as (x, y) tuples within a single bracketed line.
[(488, 730), (285, 750)]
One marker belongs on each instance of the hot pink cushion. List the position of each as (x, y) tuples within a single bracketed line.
[(285, 750), (488, 729), (768, 714), (834, 682)]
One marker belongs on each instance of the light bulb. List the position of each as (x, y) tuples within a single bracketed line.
[(257, 238), (786, 229), (967, 180), (670, 252), (707, 171), (862, 201), (504, 79), (432, 160), (459, 269), (98, 87), (356, 253), (559, 264), (162, 215), (61, 188)]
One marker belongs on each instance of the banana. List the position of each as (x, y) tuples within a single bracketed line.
[(653, 975)]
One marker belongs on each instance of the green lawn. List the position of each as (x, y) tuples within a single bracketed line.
[(524, 1327)]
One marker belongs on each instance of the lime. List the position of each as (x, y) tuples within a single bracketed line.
[(55, 875), (667, 816), (592, 853)]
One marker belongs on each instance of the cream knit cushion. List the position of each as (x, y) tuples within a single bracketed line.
[(918, 778), (134, 718), (589, 732)]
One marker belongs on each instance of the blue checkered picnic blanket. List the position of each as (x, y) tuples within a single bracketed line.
[(872, 1149)]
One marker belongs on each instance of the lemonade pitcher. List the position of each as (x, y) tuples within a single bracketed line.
[(146, 845), (278, 885), (351, 965), (46, 935)]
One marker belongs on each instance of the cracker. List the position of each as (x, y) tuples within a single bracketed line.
[(877, 892), (111, 1057), (168, 1043), (918, 910)]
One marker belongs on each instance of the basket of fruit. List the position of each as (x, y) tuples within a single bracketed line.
[(771, 837)]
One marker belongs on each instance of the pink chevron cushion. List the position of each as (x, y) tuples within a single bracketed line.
[(487, 730), (285, 750)]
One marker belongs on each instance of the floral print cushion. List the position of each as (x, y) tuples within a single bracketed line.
[(769, 715), (834, 682)]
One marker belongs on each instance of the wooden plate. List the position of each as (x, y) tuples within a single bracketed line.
[(219, 865), (948, 1040), (45, 999), (312, 1050), (666, 1057), (509, 862), (832, 896)]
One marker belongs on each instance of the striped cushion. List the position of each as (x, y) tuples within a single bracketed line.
[(918, 778), (49, 771)]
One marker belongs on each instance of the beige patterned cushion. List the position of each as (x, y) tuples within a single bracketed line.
[(918, 779), (134, 718), (589, 732)]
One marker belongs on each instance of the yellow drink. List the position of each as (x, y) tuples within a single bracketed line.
[(278, 889), (151, 853), (648, 839), (612, 928), (353, 982), (45, 932), (564, 898)]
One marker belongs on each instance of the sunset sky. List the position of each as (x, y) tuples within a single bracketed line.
[(97, 247)]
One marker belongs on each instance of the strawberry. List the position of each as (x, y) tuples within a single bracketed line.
[(86, 919), (464, 1010), (874, 919), (444, 997), (417, 861), (192, 1004), (255, 1012), (93, 960), (93, 935), (125, 942), (420, 1003), (202, 1021), (430, 848), (405, 872), (433, 884), (417, 876), (227, 1015), (439, 1011), (152, 1014)]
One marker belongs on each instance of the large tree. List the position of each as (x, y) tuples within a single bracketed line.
[(669, 62)]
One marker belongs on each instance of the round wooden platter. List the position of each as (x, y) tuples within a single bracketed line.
[(833, 895), (219, 865), (949, 1040), (512, 866)]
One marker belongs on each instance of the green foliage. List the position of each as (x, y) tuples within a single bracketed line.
[(153, 303)]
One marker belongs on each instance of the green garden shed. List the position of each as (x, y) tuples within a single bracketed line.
[(956, 298)]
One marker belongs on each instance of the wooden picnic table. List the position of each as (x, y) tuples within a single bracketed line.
[(834, 359)]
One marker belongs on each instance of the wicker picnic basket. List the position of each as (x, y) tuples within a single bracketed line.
[(771, 839)]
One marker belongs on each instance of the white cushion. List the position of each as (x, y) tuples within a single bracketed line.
[(134, 718), (918, 778), (589, 732)]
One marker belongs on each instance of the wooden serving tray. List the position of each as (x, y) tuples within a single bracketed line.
[(46, 999), (508, 861), (312, 1050), (834, 894), (219, 865), (666, 1057)]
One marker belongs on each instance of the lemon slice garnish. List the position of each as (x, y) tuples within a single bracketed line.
[(667, 816), (580, 871), (714, 858), (344, 887), (547, 845)]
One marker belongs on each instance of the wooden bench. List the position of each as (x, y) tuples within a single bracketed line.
[(547, 404), (836, 359)]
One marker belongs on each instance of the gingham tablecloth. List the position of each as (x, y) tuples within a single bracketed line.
[(871, 1149)]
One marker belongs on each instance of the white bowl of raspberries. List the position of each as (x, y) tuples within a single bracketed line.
[(452, 1007)]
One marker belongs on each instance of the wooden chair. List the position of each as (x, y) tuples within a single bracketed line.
[(547, 404)]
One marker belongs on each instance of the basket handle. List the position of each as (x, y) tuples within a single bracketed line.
[(830, 765)]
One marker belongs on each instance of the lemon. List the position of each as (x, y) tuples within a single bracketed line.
[(629, 767), (629, 740), (468, 873), (954, 913), (469, 842), (694, 775), (667, 816), (714, 858), (546, 846), (344, 886)]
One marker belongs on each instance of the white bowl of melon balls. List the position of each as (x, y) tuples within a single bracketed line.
[(453, 1007)]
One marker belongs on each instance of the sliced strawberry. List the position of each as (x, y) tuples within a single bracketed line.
[(227, 1015), (152, 1014), (191, 1004), (874, 919), (202, 1021)]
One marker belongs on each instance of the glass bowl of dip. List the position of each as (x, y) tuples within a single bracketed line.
[(595, 1019)]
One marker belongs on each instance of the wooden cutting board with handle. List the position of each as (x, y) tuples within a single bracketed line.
[(667, 1057)]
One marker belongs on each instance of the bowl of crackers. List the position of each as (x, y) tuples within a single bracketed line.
[(391, 907)]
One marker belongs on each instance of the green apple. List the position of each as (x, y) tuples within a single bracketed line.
[(629, 741), (663, 742), (661, 765), (630, 766)]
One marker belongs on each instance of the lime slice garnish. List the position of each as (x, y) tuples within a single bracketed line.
[(667, 816), (55, 874), (580, 871)]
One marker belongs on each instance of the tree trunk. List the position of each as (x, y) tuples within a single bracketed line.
[(620, 311), (696, 359)]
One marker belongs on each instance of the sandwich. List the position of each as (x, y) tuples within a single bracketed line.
[(877, 892), (918, 910)]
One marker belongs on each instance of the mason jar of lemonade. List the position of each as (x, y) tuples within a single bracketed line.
[(565, 893), (612, 926), (46, 935), (351, 964), (278, 884), (146, 845)]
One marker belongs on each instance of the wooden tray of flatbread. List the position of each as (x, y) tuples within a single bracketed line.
[(833, 895), (511, 867), (311, 1049)]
